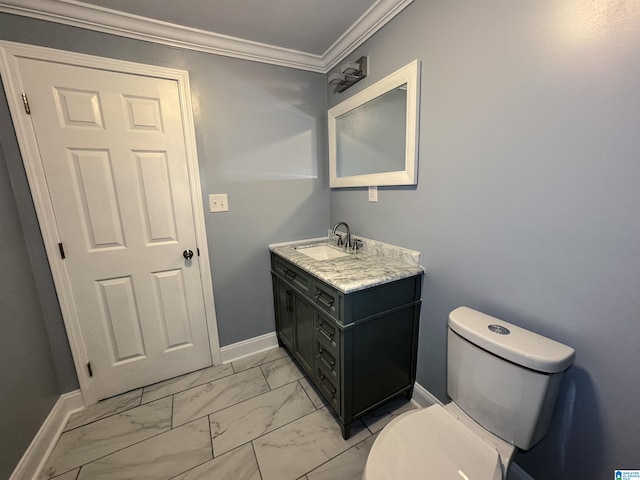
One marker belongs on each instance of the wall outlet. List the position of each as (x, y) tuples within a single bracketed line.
[(218, 202), (373, 194)]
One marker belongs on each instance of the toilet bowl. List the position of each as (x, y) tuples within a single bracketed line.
[(503, 381), (437, 442)]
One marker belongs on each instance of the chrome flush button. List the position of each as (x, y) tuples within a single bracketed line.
[(499, 329)]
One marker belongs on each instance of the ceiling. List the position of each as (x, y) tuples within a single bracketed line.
[(307, 34)]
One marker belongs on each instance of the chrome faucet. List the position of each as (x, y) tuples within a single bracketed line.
[(340, 241)]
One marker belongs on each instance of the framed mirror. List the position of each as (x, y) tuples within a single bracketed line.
[(373, 134)]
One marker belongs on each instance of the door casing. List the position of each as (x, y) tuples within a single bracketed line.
[(25, 133)]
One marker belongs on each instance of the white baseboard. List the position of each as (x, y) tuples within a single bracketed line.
[(424, 398), (248, 347), (42, 444)]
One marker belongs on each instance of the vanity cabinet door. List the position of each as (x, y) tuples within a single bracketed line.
[(303, 313), (295, 320), (284, 316)]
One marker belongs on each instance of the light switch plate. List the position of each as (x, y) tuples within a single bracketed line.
[(218, 202), (373, 194)]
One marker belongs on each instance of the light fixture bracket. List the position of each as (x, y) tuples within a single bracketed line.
[(352, 72)]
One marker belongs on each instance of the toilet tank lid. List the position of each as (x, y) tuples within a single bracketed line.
[(511, 342)]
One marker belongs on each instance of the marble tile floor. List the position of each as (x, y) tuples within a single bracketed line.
[(257, 418)]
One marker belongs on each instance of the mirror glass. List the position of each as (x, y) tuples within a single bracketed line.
[(372, 135)]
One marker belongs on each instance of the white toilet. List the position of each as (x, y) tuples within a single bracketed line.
[(503, 381)]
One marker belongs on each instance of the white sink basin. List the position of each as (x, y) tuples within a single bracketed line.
[(322, 252)]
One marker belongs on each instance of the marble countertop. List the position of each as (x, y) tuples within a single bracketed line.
[(375, 264)]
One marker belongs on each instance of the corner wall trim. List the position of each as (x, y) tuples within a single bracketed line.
[(423, 397), (42, 444), (248, 347)]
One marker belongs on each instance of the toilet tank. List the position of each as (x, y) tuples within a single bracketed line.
[(505, 377)]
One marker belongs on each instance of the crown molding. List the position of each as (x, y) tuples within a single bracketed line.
[(371, 21), (92, 17)]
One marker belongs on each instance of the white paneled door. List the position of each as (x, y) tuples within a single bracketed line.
[(113, 152)]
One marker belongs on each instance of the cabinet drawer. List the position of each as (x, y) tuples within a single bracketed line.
[(329, 387), (293, 275), (327, 358), (327, 331), (327, 299)]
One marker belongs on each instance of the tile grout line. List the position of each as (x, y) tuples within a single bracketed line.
[(281, 426), (259, 395), (313, 388), (255, 455), (265, 377), (187, 470), (64, 473), (95, 421), (211, 383), (270, 431), (207, 461), (136, 443), (344, 451), (140, 403), (194, 386), (213, 455), (115, 451), (311, 413), (173, 399), (224, 408), (106, 416), (307, 394)]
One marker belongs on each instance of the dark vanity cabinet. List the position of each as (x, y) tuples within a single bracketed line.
[(358, 348)]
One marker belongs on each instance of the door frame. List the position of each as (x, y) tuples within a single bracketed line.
[(25, 133)]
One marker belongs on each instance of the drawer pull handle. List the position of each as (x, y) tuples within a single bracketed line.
[(322, 377), (327, 301), (331, 363), (330, 334), (333, 392), (290, 274)]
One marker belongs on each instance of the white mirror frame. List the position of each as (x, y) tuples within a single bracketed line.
[(409, 74)]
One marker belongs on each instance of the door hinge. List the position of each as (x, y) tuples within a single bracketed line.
[(25, 101), (61, 247), (198, 250), (90, 369)]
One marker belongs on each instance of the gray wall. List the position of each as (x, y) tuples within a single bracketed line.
[(28, 382), (528, 199), (260, 132)]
